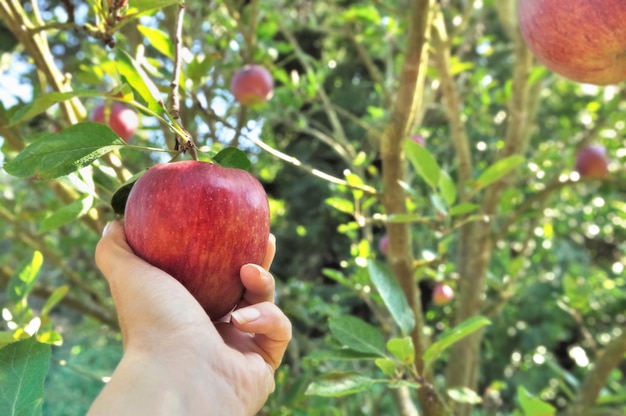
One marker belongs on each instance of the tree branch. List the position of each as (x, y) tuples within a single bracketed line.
[(441, 47), (597, 377), (407, 102)]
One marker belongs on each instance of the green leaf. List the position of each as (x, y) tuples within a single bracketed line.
[(423, 162), (357, 335), (345, 354), (339, 384), (453, 335), (142, 6), (118, 200), (137, 78), (341, 204), (23, 369), (448, 188), (23, 281), (463, 208), (66, 214), (158, 39), (533, 406), (50, 337), (387, 366), (392, 295), (231, 157), (45, 101), (402, 349), (42, 103), (55, 297), (497, 171), (62, 153)]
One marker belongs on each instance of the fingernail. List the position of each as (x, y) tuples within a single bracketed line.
[(106, 228), (246, 315)]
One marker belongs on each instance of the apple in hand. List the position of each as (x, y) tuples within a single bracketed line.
[(122, 120), (200, 223), (591, 161), (442, 294), (252, 85), (582, 40)]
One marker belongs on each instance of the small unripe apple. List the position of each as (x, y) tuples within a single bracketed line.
[(122, 120), (582, 40), (442, 294), (383, 244), (252, 85), (200, 223), (591, 161)]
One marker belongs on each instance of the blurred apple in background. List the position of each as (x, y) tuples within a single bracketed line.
[(582, 40), (122, 120), (442, 294), (383, 244), (252, 85), (591, 161), (418, 139)]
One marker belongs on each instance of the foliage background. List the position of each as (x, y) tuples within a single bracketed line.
[(554, 282)]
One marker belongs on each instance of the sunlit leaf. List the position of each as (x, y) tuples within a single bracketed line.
[(158, 39), (387, 366), (22, 282), (402, 349), (498, 170), (55, 297), (447, 188), (533, 406), (62, 153), (139, 80), (339, 384), (23, 369), (423, 162), (341, 204), (453, 335), (464, 395)]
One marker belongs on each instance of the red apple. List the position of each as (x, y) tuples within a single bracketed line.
[(383, 244), (121, 119), (200, 223), (442, 294), (582, 40), (591, 161), (252, 85)]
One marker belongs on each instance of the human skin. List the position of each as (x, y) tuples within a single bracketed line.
[(176, 361)]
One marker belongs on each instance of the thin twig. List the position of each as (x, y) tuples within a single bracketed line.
[(183, 143)]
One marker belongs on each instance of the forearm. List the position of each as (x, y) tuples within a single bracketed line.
[(142, 386)]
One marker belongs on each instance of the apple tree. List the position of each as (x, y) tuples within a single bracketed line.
[(441, 247)]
